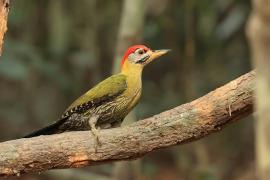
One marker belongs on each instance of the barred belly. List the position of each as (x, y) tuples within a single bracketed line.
[(110, 114)]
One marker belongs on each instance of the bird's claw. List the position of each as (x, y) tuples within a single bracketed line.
[(94, 130)]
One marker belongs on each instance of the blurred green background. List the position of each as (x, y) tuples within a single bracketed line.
[(55, 50)]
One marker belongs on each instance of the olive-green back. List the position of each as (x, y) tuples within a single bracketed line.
[(110, 87)]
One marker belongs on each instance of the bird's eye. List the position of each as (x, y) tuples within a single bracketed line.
[(140, 51)]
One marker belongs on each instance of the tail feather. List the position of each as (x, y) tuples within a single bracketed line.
[(51, 129)]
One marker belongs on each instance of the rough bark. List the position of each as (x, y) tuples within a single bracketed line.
[(4, 8), (259, 36), (181, 124)]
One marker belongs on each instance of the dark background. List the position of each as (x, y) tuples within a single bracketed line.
[(55, 50)]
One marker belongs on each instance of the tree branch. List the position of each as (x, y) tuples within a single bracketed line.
[(182, 124)]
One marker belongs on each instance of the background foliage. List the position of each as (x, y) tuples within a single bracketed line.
[(57, 49)]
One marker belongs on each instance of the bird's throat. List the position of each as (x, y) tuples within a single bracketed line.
[(133, 72)]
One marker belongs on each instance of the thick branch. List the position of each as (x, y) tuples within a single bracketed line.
[(182, 124)]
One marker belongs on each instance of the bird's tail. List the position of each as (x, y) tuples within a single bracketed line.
[(51, 129)]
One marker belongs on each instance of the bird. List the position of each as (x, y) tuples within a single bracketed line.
[(108, 103)]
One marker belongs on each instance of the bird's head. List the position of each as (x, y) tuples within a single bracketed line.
[(138, 56)]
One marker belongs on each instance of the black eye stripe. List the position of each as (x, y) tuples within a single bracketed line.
[(140, 51), (142, 60)]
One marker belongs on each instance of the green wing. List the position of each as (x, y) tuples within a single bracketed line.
[(105, 91)]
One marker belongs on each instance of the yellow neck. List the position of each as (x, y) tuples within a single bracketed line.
[(133, 72)]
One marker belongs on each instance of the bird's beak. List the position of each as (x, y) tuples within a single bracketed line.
[(154, 54)]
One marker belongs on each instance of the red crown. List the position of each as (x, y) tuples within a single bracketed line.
[(132, 49)]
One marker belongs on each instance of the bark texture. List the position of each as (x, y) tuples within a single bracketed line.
[(181, 124), (4, 8), (259, 36)]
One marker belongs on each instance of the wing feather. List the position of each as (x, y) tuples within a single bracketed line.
[(105, 91)]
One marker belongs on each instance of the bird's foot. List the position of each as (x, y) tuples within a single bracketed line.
[(95, 131)]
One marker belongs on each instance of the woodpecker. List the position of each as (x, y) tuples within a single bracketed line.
[(108, 103)]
